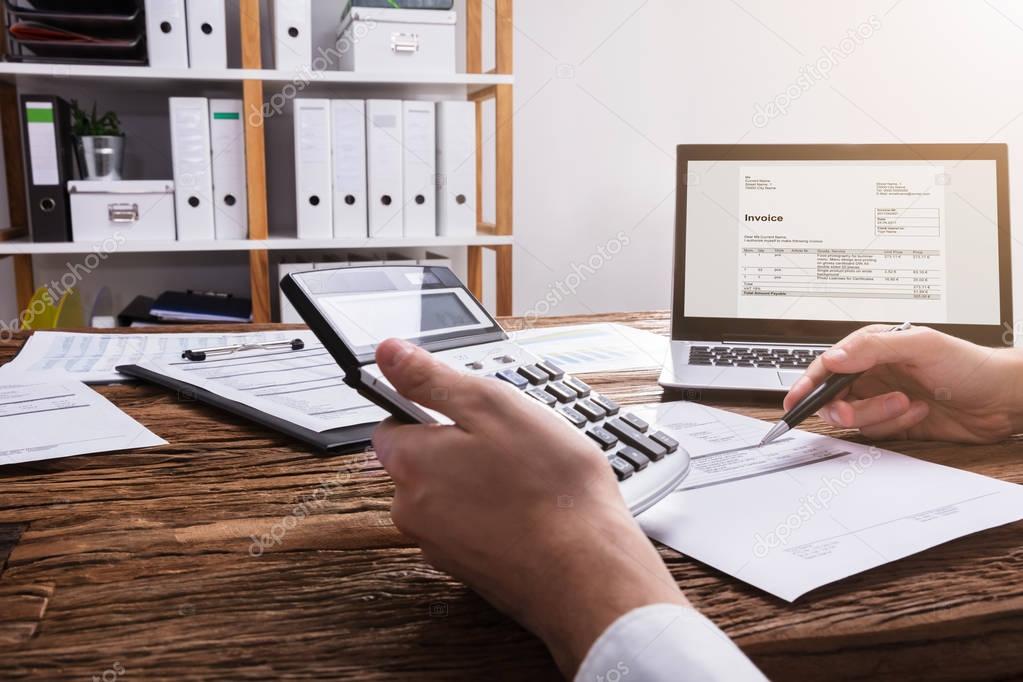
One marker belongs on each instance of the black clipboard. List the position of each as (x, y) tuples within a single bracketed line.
[(335, 442)]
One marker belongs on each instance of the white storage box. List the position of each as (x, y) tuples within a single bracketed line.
[(397, 41), (137, 209)]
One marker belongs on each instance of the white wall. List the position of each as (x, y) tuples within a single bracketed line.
[(605, 89)]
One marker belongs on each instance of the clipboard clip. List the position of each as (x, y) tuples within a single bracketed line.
[(200, 354)]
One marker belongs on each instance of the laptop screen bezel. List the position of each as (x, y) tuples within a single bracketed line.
[(686, 328)]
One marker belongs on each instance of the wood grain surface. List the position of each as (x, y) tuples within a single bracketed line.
[(142, 565)]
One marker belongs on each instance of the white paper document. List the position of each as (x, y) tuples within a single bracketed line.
[(601, 347), (61, 419), (92, 357), (808, 510), (871, 236), (305, 387)]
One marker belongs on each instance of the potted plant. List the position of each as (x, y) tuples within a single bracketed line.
[(99, 143)]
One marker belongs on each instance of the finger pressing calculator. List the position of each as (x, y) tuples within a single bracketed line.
[(351, 310)]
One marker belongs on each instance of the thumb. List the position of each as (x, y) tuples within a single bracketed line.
[(421, 378), (862, 351)]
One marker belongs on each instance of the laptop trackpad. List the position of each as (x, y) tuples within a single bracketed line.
[(788, 378)]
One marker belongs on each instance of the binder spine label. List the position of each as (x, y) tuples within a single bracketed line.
[(42, 143)]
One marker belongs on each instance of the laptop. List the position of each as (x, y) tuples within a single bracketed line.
[(782, 250)]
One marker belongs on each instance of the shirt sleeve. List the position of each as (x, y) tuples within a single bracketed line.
[(665, 642)]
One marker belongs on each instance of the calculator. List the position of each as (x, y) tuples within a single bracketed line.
[(352, 309)]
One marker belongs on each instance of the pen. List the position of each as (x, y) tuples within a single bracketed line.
[(817, 398)]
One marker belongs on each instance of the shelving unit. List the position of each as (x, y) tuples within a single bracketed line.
[(480, 86)]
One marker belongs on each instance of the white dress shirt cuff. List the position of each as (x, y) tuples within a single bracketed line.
[(665, 642)]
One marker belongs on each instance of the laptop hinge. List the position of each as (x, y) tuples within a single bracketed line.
[(775, 340)]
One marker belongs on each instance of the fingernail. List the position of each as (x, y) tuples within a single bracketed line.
[(391, 353), (836, 354), (891, 405)]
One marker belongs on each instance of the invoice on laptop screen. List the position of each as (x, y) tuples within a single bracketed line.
[(843, 241)]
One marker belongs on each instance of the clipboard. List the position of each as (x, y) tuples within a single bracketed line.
[(335, 442)]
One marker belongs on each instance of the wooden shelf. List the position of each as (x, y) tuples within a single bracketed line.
[(99, 72), (19, 247)]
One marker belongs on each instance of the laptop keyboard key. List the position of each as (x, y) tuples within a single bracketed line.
[(602, 437), (669, 443)]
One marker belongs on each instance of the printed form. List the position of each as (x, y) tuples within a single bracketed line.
[(807, 509), (843, 242)]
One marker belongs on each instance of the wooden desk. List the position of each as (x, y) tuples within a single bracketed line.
[(145, 561)]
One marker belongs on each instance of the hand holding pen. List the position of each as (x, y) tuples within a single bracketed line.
[(916, 383)]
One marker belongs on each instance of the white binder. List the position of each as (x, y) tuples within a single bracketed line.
[(384, 167), (193, 185), (288, 313), (166, 37), (348, 130), (419, 168), (230, 194), (293, 45), (456, 169), (313, 192), (207, 34)]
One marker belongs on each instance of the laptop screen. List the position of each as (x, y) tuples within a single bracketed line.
[(848, 240)]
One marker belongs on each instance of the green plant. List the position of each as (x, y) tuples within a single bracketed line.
[(84, 124)]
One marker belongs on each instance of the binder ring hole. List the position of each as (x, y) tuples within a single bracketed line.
[(206, 28), (230, 200), (386, 200), (292, 31), (460, 199), (420, 199), (314, 200), (350, 200), (47, 205), (165, 26), (193, 201)]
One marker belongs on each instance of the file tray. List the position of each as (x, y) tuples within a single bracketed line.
[(335, 442)]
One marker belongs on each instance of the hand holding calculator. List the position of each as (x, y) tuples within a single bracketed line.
[(352, 310)]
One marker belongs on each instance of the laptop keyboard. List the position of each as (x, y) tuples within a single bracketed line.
[(752, 356), (626, 440)]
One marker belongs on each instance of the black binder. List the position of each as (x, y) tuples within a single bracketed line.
[(335, 442), (46, 129)]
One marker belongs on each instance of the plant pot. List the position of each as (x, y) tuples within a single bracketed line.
[(100, 157)]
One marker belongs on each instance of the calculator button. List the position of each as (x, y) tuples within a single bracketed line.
[(592, 412), (573, 416), (621, 468), (513, 378), (474, 365), (606, 404), (533, 374), (635, 422), (602, 437), (505, 359), (578, 386), (669, 443), (634, 438), (543, 396), (637, 459), (552, 370), (560, 391)]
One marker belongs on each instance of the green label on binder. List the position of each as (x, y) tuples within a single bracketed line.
[(230, 115), (43, 114)]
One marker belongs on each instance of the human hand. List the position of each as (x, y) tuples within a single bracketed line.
[(920, 384), (517, 503)]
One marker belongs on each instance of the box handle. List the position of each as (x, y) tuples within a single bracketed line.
[(405, 42), (123, 213)]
